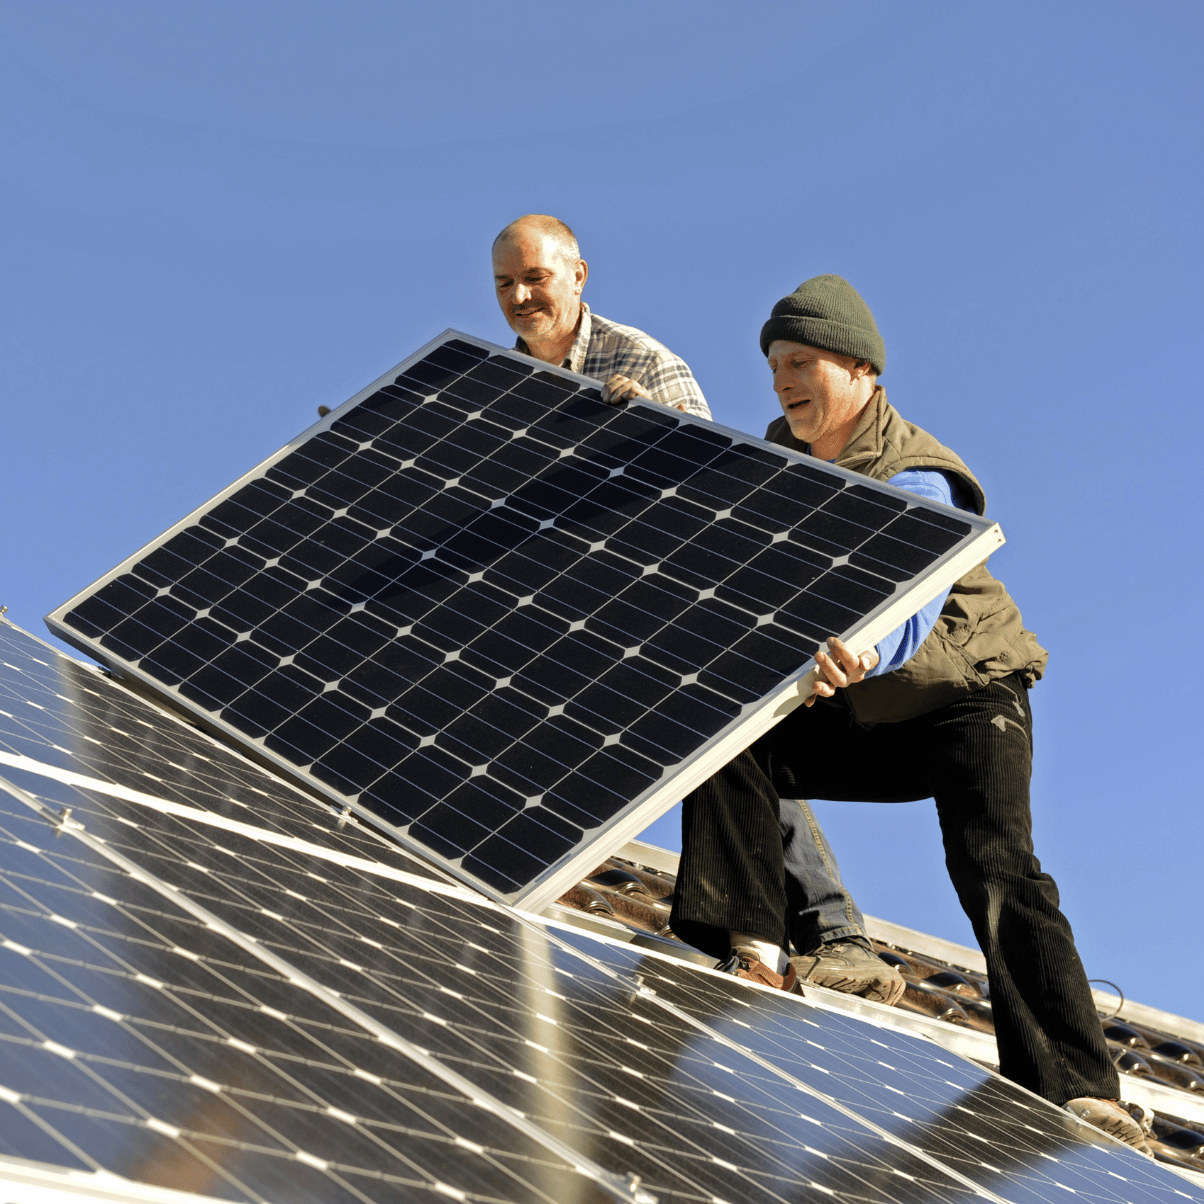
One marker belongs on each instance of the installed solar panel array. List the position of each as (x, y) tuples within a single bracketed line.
[(502, 617), (192, 1006)]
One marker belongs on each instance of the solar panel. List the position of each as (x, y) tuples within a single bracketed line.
[(65, 728), (204, 1009), (507, 622)]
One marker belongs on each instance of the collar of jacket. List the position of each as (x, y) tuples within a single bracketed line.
[(866, 443)]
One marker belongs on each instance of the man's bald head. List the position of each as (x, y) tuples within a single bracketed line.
[(544, 224)]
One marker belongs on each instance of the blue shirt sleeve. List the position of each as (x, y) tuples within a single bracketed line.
[(904, 642)]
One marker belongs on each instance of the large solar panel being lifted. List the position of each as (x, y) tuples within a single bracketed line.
[(504, 619)]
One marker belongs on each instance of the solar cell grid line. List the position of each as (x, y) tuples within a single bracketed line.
[(68, 722), (324, 1104), (507, 622)]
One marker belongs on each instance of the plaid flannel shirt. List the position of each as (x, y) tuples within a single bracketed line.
[(603, 348)]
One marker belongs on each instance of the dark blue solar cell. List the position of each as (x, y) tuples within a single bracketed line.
[(544, 389), (454, 457), (165, 616), (715, 621), (551, 679), (362, 423), (660, 468), (680, 648), (922, 534), (540, 834), (461, 822), (437, 370), (493, 479), (621, 618), (683, 519), (742, 679), (476, 736), (504, 372), (376, 685), (252, 713), (818, 612), (715, 490), (624, 773), (433, 771), (622, 694), (390, 403), (787, 499), (828, 533), (474, 353), (695, 444), (542, 499), (517, 410), (347, 771), (641, 541), (327, 658), (472, 393), (448, 629), (855, 508), (658, 596), (170, 663), (460, 684), (126, 593), (570, 422), (500, 652), (674, 739), (384, 743), (893, 552), (854, 589), (712, 558), (93, 617)]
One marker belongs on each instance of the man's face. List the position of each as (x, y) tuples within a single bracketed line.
[(538, 289), (820, 392)]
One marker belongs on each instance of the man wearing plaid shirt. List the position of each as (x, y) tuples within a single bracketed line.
[(539, 274)]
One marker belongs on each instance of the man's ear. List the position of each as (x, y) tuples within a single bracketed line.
[(581, 274), (864, 368)]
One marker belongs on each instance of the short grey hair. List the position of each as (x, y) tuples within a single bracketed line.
[(545, 224)]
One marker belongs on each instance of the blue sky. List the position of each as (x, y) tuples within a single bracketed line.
[(219, 215)]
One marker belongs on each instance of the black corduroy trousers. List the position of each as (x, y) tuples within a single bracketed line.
[(974, 757)]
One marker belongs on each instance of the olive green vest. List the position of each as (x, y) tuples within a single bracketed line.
[(979, 635)]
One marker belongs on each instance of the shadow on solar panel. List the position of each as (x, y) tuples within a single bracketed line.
[(507, 622)]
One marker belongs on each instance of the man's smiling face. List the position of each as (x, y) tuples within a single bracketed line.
[(538, 287), (821, 393)]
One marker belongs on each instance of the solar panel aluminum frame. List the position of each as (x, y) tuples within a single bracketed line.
[(755, 719)]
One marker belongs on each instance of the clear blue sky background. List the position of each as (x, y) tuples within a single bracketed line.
[(218, 215)]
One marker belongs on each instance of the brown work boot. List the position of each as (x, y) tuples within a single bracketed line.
[(852, 967), (744, 963), (1112, 1117)]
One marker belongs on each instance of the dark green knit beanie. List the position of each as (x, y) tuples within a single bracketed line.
[(827, 312)]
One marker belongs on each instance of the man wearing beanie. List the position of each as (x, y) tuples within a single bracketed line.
[(938, 709)]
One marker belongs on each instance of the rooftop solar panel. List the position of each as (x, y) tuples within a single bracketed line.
[(213, 1011), (65, 728), (505, 621)]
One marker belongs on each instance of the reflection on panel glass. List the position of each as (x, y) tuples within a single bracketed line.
[(207, 1024), (136, 1041)]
